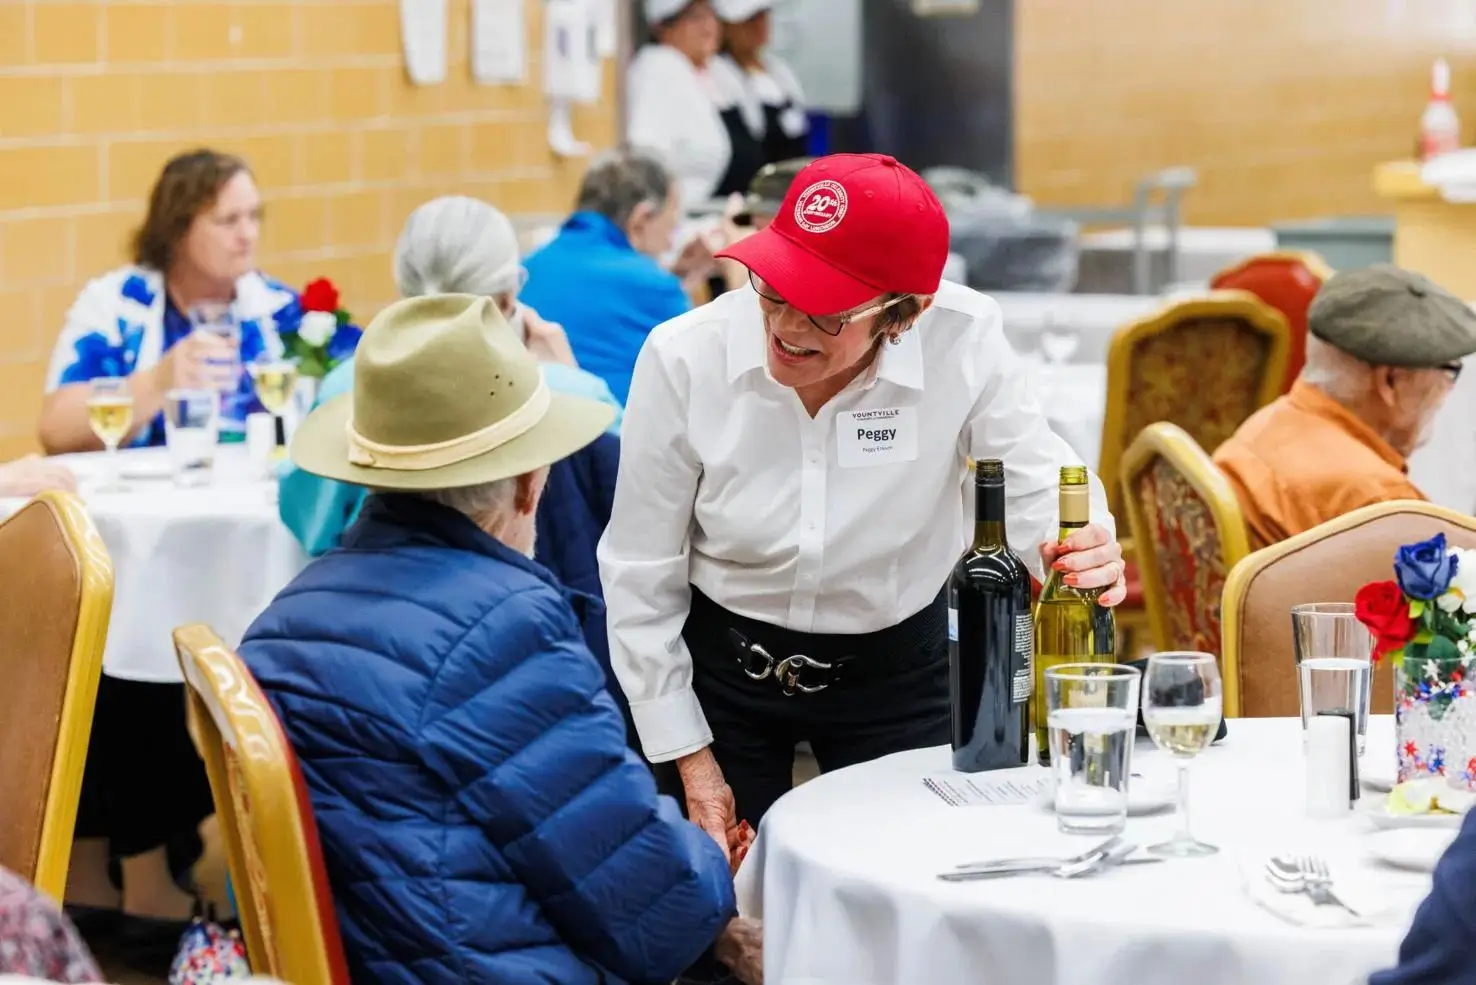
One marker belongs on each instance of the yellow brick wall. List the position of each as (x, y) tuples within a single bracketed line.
[(95, 96), (1283, 106)]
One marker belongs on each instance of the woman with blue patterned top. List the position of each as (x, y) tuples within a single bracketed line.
[(197, 247), (144, 792)]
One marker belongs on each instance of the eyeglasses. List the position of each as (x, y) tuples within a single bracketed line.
[(829, 324), (1453, 370)]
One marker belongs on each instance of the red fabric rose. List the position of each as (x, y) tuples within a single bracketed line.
[(320, 295), (1382, 607)]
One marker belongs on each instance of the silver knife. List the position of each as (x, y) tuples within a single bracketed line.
[(1082, 867), (1041, 862)]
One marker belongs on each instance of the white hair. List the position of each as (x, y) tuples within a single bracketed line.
[(458, 245), (1336, 373), (488, 499)]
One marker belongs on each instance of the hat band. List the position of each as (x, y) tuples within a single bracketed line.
[(419, 458)]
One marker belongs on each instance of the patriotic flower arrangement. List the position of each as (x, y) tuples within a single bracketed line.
[(1424, 622), (326, 334)]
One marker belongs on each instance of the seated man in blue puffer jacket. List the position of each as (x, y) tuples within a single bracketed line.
[(481, 817)]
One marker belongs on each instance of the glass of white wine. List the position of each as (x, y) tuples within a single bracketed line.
[(275, 380), (1182, 709), (110, 413)]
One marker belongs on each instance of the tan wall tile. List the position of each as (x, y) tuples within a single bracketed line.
[(31, 106), (36, 177), (136, 32), (36, 252), (66, 32)]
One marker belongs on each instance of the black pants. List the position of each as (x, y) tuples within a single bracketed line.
[(144, 784), (889, 694)]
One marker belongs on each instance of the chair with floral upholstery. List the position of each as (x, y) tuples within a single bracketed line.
[(1204, 363), (1287, 280), (1190, 533)]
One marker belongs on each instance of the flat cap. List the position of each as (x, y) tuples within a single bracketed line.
[(767, 189), (1392, 317)]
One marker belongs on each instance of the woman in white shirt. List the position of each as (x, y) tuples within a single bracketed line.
[(671, 98), (773, 571), (766, 98)]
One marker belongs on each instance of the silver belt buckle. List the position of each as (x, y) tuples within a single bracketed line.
[(764, 655), (788, 673)]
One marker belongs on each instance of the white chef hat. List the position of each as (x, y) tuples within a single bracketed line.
[(738, 11), (657, 11)]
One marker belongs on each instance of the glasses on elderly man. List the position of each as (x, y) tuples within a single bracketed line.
[(829, 324), (1453, 370)]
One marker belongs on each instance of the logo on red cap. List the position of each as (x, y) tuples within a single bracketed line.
[(820, 207)]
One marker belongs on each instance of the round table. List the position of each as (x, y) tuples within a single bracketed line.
[(215, 554), (1074, 398), (844, 870)]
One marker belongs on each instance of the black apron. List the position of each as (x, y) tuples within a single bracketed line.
[(747, 157), (778, 145)]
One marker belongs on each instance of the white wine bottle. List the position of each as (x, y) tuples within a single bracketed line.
[(989, 644), (1070, 627)]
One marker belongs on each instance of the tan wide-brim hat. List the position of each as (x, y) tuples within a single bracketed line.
[(445, 395)]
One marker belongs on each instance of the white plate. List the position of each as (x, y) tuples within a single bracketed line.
[(1376, 808), (1410, 848), (1377, 774), (1143, 798)]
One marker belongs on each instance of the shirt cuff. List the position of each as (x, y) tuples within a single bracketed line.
[(671, 726)]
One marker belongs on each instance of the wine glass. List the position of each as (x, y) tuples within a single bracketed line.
[(1182, 709), (275, 380), (110, 413), (1057, 345)]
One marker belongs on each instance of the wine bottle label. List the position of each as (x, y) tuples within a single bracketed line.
[(1023, 684), (952, 625)]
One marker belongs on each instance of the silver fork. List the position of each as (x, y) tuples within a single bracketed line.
[(1319, 883), (1038, 862)]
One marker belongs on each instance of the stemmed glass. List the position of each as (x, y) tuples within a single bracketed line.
[(1182, 709), (275, 380), (1057, 345), (110, 413)]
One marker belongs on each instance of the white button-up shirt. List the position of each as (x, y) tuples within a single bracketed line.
[(726, 483)]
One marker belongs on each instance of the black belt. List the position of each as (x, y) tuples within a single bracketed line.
[(807, 663)]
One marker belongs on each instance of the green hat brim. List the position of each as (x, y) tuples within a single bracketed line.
[(320, 447)]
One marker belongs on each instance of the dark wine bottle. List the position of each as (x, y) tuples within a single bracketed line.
[(990, 639)]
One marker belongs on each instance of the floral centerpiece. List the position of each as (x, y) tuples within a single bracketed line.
[(325, 335), (1424, 622)]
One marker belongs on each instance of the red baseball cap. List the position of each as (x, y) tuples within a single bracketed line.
[(852, 226)]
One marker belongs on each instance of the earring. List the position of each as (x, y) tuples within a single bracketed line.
[(894, 338)]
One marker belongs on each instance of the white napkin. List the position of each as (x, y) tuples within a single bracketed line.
[(1372, 902)]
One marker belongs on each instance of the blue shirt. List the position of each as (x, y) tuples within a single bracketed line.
[(606, 295), (319, 510)]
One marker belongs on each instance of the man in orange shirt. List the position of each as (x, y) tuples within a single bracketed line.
[(1385, 346)]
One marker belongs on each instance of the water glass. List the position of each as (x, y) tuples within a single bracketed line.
[(191, 430), (1183, 704), (219, 319), (1334, 667), (1091, 721)]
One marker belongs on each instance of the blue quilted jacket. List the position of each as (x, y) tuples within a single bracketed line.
[(1440, 948), (482, 819)]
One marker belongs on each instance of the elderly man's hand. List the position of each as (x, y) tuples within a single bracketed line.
[(741, 948), (1089, 558), (33, 474), (546, 339)]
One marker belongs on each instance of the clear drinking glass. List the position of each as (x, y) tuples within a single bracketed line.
[(1182, 708), (219, 319), (1057, 343), (110, 413), (1334, 668), (1091, 721), (192, 429)]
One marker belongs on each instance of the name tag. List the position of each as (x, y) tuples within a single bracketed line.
[(876, 437)]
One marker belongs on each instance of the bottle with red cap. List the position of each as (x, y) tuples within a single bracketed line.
[(1440, 128)]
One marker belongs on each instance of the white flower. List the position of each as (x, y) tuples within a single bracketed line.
[(1462, 591), (317, 328)]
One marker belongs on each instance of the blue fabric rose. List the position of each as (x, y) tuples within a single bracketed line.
[(1424, 570), (345, 340)]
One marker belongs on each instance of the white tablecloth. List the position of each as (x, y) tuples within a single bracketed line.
[(215, 554), (1092, 317), (1074, 398), (844, 877)]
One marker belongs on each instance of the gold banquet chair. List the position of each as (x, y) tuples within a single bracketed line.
[(54, 614), (271, 837), (1328, 563), (1189, 534)]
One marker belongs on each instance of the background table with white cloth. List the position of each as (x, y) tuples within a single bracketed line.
[(844, 876), (215, 554)]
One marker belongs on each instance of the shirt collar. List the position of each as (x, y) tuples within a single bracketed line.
[(1306, 397), (597, 227), (901, 364)]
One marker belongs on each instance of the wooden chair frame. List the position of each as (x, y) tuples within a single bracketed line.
[(74, 730), (1174, 444), (1217, 304), (1241, 577), (226, 708)]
